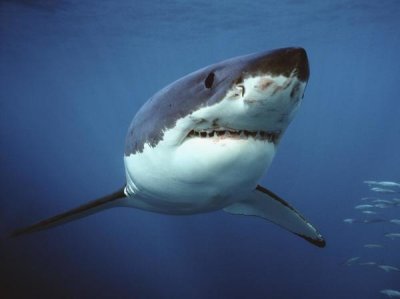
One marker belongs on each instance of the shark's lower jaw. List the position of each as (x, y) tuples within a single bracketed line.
[(202, 168), (223, 133)]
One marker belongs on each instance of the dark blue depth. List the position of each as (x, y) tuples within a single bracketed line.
[(72, 76)]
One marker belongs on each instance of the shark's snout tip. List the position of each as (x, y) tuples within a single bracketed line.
[(283, 61)]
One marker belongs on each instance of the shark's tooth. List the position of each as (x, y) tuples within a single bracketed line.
[(253, 134)]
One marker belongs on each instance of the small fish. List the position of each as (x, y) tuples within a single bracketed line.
[(391, 293), (369, 198), (361, 207), (382, 190), (382, 205), (392, 235), (351, 260), (382, 183), (373, 246), (350, 220), (369, 212), (388, 268), (395, 221), (376, 220), (378, 200), (367, 264), (388, 184)]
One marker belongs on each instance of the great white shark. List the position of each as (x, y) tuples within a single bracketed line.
[(202, 143)]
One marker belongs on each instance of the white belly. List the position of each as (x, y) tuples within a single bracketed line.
[(197, 176)]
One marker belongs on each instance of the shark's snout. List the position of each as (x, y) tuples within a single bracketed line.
[(281, 62)]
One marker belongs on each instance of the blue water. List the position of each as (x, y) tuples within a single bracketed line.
[(72, 76)]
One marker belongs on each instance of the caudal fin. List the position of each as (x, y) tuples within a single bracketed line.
[(87, 209)]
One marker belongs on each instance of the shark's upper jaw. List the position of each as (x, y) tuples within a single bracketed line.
[(226, 133)]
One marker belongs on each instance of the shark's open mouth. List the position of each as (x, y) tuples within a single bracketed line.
[(269, 136)]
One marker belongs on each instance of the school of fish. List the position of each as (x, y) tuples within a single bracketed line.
[(384, 208)]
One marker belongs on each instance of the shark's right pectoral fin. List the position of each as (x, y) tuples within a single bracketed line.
[(265, 204), (109, 201)]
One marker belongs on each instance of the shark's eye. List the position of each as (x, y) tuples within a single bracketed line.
[(209, 80)]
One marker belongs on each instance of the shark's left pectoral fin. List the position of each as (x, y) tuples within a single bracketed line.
[(265, 204)]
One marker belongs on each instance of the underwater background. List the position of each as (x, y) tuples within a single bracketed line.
[(74, 73)]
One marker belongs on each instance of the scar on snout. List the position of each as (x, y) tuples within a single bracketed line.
[(263, 84)]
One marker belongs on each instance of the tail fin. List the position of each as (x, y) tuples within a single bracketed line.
[(87, 209)]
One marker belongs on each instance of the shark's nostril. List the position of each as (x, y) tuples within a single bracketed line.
[(241, 89)]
